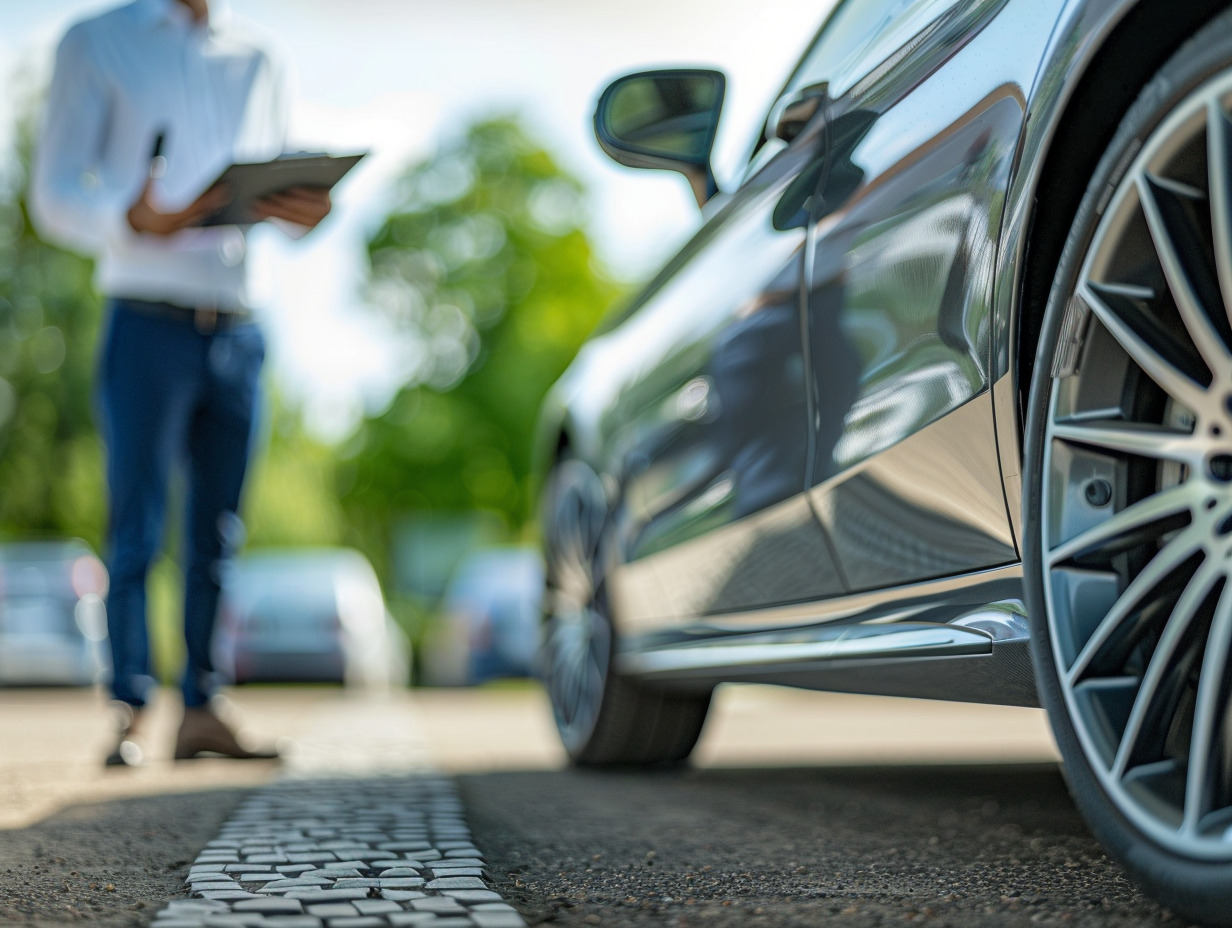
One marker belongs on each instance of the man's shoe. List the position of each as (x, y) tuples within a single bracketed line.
[(129, 750), (203, 733)]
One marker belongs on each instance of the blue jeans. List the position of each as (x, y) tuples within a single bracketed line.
[(172, 396)]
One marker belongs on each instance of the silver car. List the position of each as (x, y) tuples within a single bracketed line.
[(53, 622)]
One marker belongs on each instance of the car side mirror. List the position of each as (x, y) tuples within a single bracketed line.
[(791, 114), (665, 120)]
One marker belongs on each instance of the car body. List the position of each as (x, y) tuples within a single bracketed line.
[(818, 449), (307, 615), (53, 621)]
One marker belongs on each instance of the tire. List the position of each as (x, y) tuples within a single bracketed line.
[(604, 718), (1128, 489)]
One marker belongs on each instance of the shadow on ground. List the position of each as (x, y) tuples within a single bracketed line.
[(836, 846), (109, 863)]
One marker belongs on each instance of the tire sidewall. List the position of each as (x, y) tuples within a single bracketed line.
[(1200, 889)]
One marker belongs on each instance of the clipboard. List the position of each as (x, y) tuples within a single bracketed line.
[(248, 183)]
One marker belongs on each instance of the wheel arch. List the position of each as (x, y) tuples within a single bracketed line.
[(1139, 39)]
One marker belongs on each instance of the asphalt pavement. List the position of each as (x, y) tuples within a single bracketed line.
[(800, 809)]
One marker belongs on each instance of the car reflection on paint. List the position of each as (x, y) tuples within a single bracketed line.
[(307, 615), (53, 621)]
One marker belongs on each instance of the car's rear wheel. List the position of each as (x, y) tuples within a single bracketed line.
[(1128, 541), (604, 717)]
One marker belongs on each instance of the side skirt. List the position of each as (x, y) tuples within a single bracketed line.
[(975, 654)]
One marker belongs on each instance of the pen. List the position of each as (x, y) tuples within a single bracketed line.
[(158, 162)]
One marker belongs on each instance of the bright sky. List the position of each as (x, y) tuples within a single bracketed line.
[(394, 76)]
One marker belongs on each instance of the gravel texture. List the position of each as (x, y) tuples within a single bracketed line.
[(841, 846), (108, 864)]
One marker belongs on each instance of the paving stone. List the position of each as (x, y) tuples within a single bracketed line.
[(436, 904), (228, 895), (282, 886), (412, 920), (458, 882), (312, 857), (387, 863), (292, 921), (180, 906), (202, 885), (233, 920), (358, 921), (457, 871), (401, 882), (352, 864), (448, 846), (497, 920), (331, 909), (269, 906), (248, 868), (473, 895), (294, 868), (402, 895), (463, 862), (360, 883), (398, 871), (328, 895), (270, 859), (376, 906)]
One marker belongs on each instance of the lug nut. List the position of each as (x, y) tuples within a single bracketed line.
[(1098, 492)]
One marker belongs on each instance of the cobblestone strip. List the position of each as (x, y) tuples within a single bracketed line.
[(366, 849)]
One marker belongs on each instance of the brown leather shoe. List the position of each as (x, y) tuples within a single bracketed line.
[(129, 750), (203, 733)]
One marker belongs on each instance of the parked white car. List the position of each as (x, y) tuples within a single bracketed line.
[(307, 615)]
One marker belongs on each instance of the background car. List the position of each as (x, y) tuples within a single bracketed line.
[(53, 623), (936, 403), (307, 615), (489, 619)]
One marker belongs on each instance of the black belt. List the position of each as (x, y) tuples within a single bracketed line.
[(205, 319)]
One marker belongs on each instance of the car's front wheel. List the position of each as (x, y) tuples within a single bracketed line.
[(603, 717), (1128, 541)]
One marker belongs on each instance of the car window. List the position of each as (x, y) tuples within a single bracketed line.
[(859, 36)]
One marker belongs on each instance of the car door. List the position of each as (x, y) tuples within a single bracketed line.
[(927, 106), (703, 409)]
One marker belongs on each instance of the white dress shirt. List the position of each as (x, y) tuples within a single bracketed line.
[(121, 79)]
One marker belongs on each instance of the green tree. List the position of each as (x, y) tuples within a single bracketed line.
[(483, 269), (50, 456)]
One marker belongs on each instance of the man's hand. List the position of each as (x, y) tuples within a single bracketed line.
[(304, 206), (144, 216)]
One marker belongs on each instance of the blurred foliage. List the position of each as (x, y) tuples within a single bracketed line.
[(290, 497), (486, 275), (50, 456)]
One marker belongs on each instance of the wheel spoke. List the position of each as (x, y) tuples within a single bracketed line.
[(1133, 518), (1219, 167), (1173, 241), (1169, 559), (1178, 623), (1130, 438), (1175, 382), (1211, 687)]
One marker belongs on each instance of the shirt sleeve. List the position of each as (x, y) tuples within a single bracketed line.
[(69, 202)]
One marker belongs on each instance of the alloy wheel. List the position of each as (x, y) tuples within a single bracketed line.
[(1135, 521)]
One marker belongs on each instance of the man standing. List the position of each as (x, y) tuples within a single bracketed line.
[(148, 104)]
